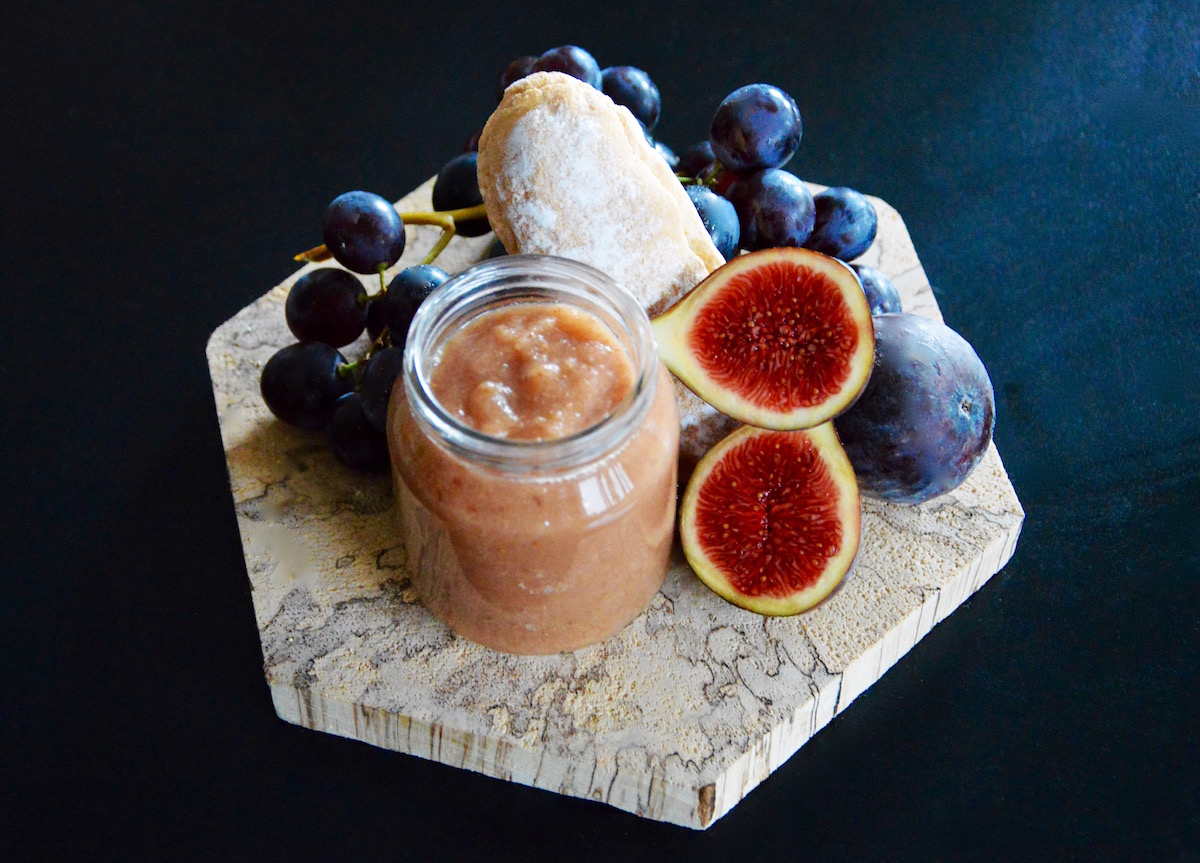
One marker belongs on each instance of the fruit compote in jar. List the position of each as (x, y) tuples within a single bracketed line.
[(534, 445)]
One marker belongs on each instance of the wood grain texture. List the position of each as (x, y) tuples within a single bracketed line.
[(677, 717)]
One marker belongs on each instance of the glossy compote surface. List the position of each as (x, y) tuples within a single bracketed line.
[(532, 371)]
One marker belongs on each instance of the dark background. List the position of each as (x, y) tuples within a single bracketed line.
[(162, 162)]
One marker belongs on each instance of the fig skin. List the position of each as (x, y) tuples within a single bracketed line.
[(765, 508), (926, 417)]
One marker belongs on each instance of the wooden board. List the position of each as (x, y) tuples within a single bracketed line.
[(677, 717)]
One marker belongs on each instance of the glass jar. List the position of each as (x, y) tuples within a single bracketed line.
[(546, 545)]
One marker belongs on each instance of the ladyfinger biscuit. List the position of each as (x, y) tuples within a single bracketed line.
[(565, 171)]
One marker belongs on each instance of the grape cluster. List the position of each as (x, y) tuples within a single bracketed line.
[(310, 384), (755, 131)]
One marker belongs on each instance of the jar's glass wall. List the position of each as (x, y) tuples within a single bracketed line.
[(535, 547)]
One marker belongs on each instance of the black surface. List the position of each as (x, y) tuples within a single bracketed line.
[(164, 160)]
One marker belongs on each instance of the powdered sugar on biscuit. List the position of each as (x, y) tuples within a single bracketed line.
[(569, 178)]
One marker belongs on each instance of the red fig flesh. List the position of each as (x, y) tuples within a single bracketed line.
[(780, 338), (771, 520)]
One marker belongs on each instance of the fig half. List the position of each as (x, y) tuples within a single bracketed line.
[(771, 520), (779, 338)]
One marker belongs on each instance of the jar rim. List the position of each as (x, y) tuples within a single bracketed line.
[(529, 278)]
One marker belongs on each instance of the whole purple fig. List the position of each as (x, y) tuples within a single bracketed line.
[(926, 416)]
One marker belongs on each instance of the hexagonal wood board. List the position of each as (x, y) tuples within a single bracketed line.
[(675, 718)]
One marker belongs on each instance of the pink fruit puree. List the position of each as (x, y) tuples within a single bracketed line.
[(532, 371), (544, 560)]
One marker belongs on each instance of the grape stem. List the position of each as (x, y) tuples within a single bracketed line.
[(444, 219), (383, 340), (708, 179), (352, 370), (714, 173)]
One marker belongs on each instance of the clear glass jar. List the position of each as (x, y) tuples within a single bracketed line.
[(535, 546)]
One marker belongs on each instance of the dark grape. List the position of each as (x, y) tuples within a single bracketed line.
[(845, 224), (667, 153), (882, 296), (719, 218), (327, 305), (301, 384), (516, 70), (572, 60), (631, 87), (375, 386), (363, 231), (457, 187), (405, 294), (696, 160), (495, 250), (355, 442), (376, 320), (756, 126), (774, 209), (471, 145)]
